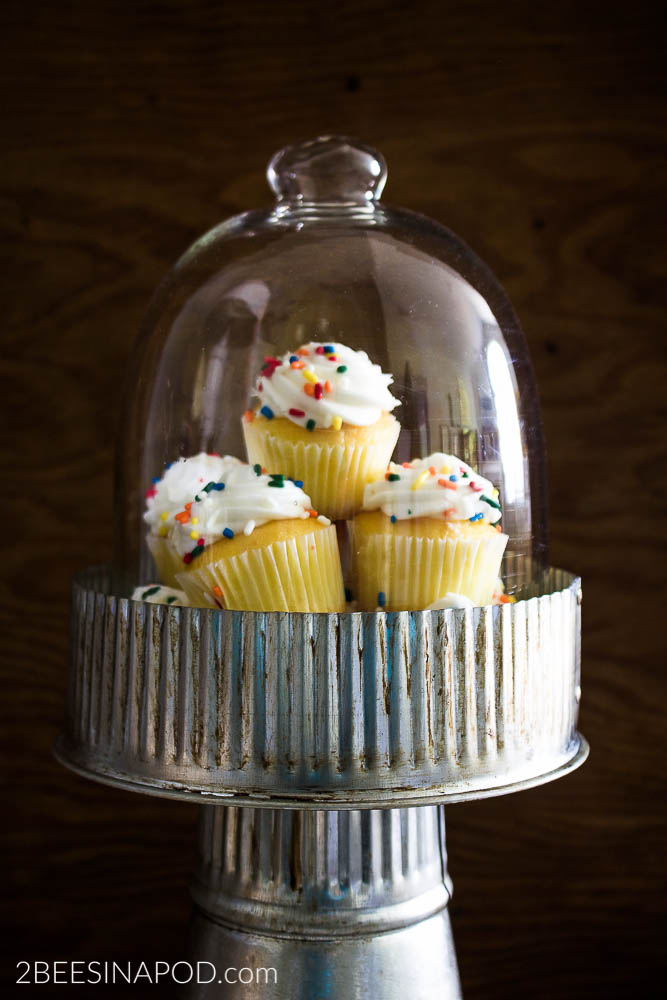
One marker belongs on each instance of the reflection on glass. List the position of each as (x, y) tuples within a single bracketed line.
[(507, 416)]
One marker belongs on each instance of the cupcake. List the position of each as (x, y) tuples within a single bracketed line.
[(456, 601), (324, 417), (155, 593), (428, 532), (166, 499), (253, 542)]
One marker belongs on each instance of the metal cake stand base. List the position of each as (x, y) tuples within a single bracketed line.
[(321, 749), (322, 905)]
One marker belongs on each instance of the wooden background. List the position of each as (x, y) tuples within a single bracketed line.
[(534, 131)]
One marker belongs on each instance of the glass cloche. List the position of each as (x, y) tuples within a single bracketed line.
[(283, 297), (330, 410)]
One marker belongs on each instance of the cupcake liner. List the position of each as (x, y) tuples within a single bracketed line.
[(334, 475), (300, 574), (413, 572), (167, 561)]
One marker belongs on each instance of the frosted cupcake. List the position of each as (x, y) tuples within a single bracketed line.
[(156, 593), (428, 535), (324, 417), (167, 498), (253, 542)]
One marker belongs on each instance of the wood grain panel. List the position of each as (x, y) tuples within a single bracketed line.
[(535, 132)]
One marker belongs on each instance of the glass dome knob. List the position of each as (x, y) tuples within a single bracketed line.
[(330, 170)]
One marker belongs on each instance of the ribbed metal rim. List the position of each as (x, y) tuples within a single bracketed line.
[(350, 711)]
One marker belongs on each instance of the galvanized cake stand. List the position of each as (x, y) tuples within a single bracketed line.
[(323, 749)]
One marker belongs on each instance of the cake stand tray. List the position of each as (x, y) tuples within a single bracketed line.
[(319, 747), (354, 710), (309, 799)]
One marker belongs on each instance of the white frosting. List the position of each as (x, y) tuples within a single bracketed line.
[(242, 501), (359, 395), (451, 601), (155, 593), (179, 484), (436, 486)]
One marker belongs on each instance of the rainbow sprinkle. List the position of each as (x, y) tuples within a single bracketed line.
[(198, 549), (270, 365)]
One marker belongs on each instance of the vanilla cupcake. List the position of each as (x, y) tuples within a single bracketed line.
[(156, 593), (166, 499), (428, 535), (253, 542), (324, 417)]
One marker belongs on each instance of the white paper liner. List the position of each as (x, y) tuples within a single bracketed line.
[(300, 574)]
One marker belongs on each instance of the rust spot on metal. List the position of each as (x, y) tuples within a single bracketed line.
[(428, 681), (386, 683)]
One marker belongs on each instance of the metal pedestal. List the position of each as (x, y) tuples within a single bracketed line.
[(322, 749), (313, 904)]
